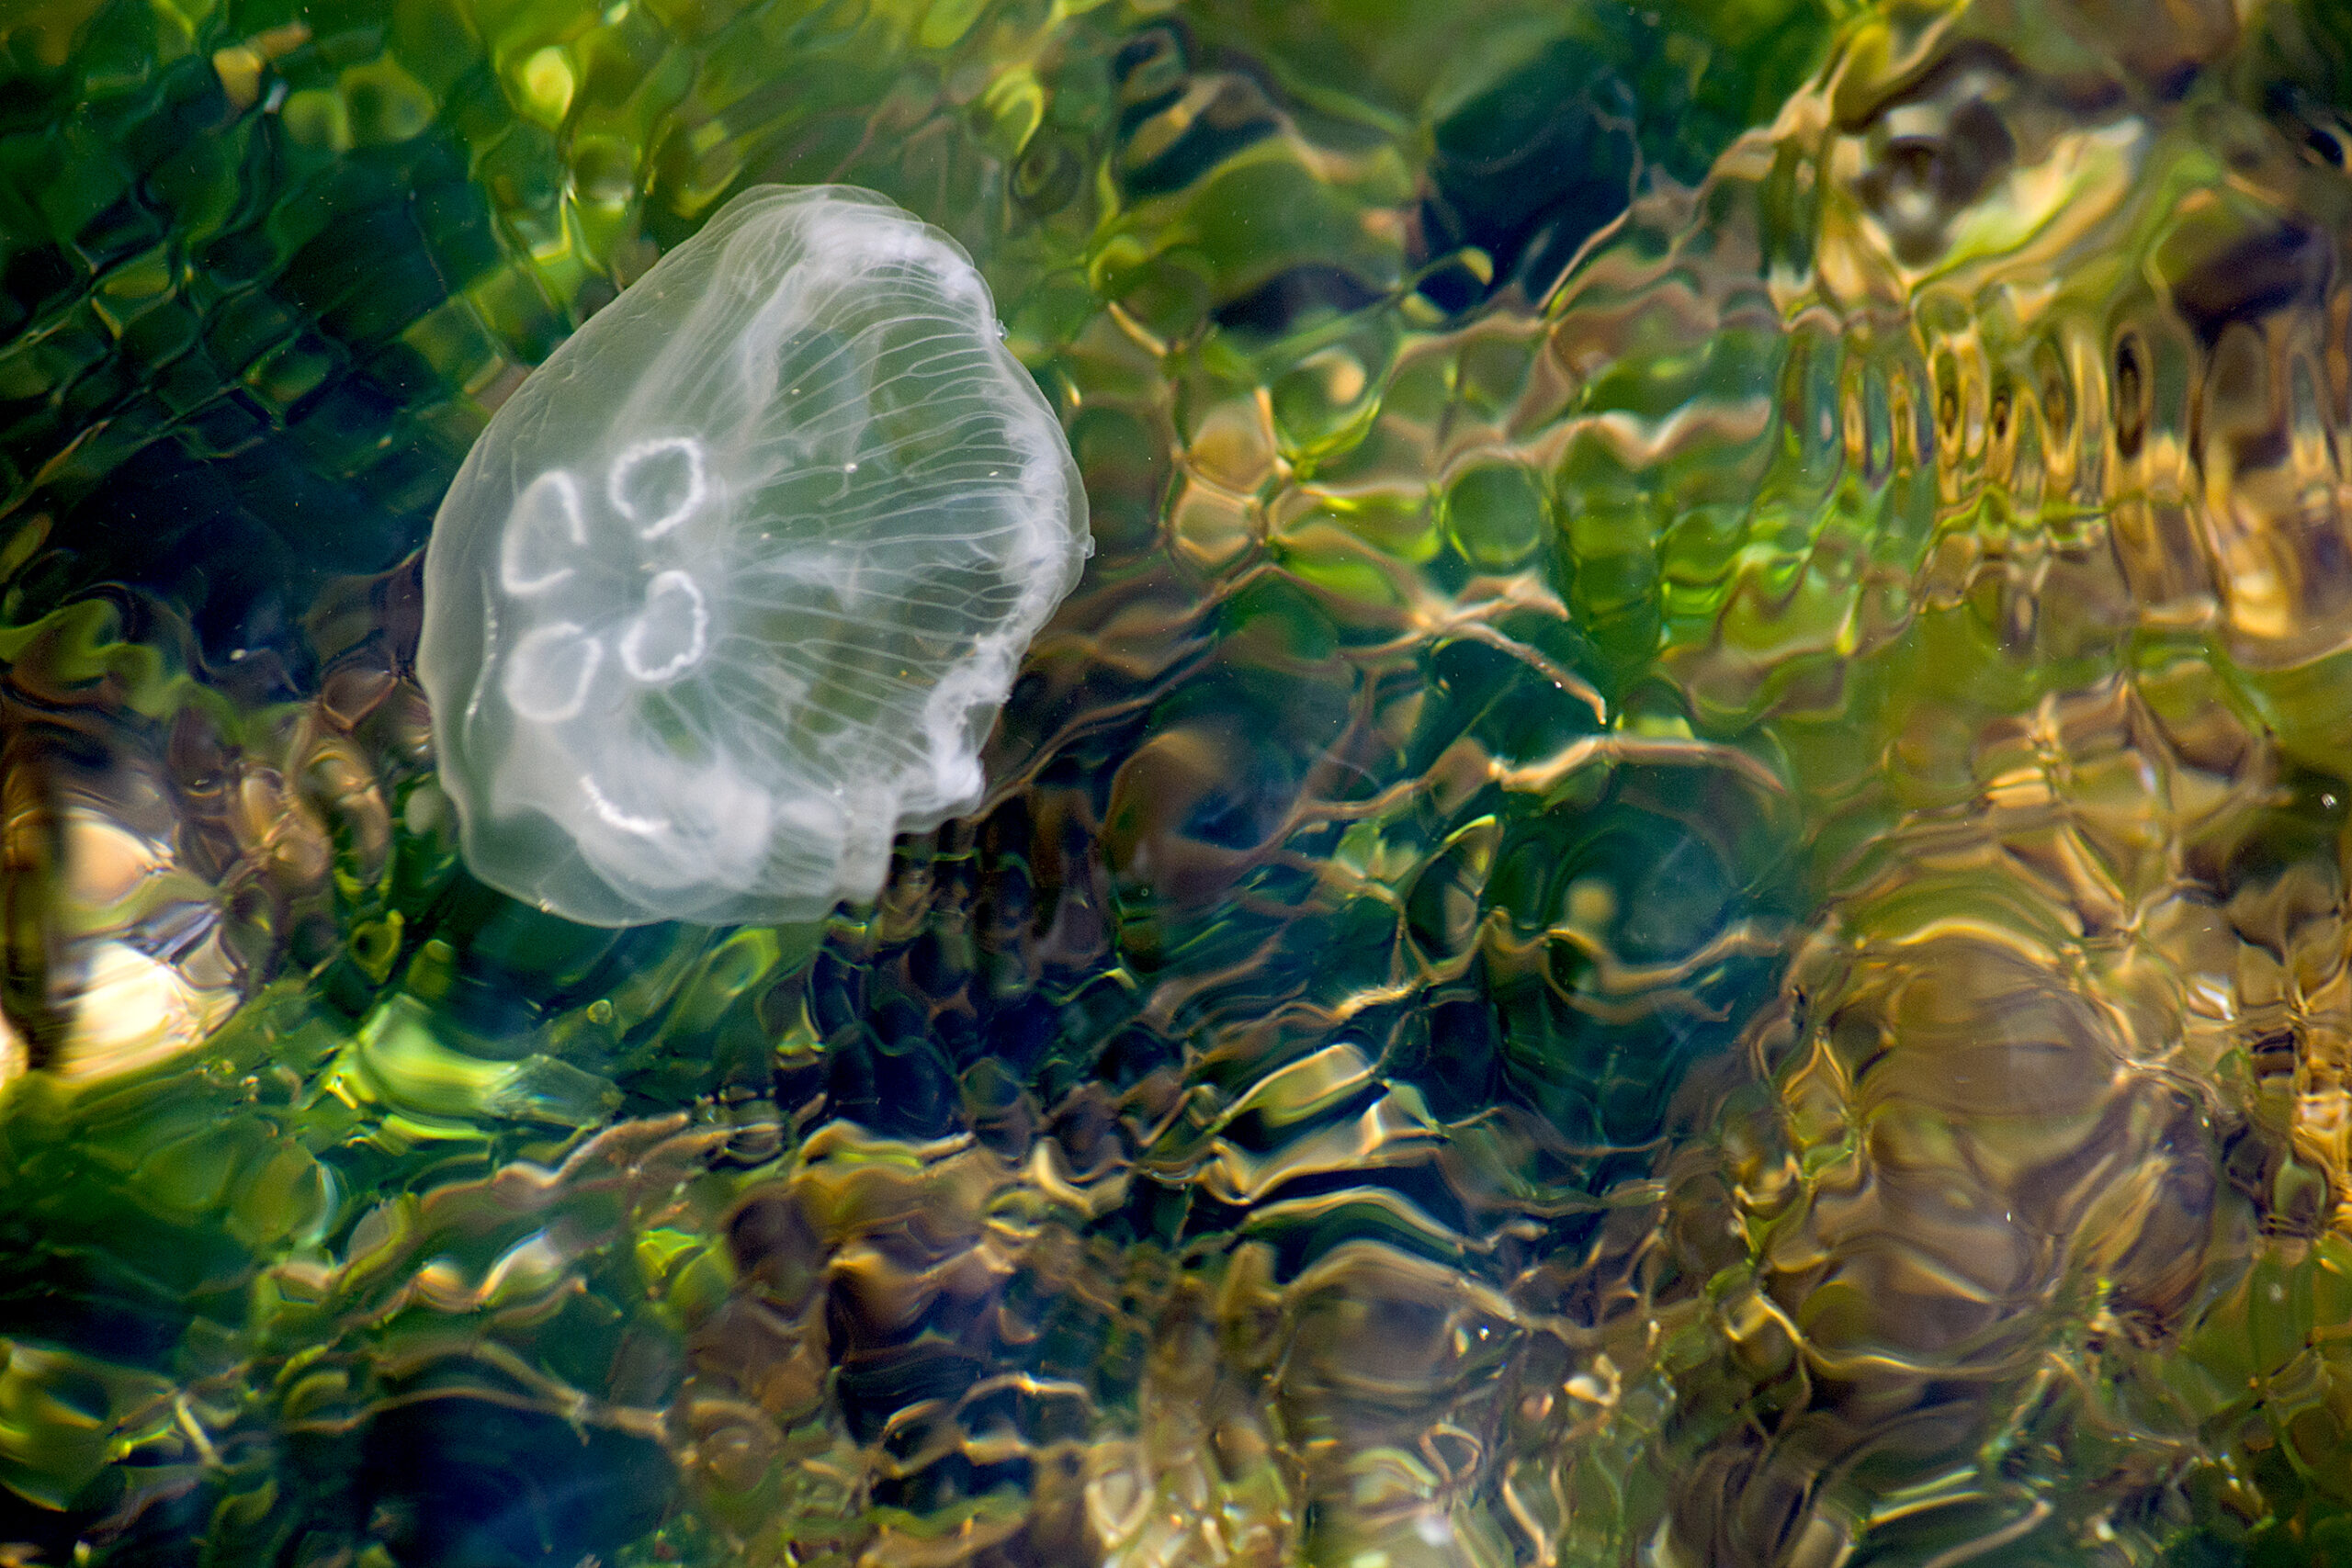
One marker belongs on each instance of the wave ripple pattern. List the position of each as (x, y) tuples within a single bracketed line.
[(1675, 893)]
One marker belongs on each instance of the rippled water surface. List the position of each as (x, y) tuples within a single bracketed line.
[(1676, 894)]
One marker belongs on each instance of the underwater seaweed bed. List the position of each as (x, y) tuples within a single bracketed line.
[(1674, 893)]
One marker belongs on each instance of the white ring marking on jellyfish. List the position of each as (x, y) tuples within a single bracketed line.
[(674, 613), (546, 676), (603, 808), (546, 517), (626, 463)]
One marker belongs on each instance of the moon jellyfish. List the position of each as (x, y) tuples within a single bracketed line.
[(731, 590)]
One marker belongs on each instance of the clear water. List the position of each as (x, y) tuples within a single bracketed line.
[(1675, 895)]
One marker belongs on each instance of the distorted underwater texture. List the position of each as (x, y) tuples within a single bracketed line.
[(1675, 894)]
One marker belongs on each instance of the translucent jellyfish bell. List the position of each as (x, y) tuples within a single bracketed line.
[(731, 591)]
